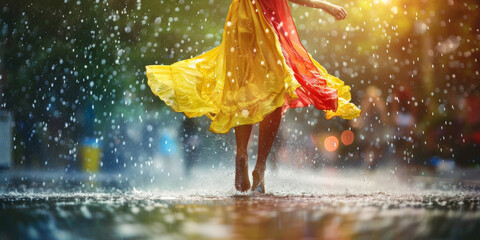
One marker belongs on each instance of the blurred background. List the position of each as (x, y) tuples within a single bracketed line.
[(74, 97)]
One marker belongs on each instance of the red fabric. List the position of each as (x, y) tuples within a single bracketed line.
[(314, 89)]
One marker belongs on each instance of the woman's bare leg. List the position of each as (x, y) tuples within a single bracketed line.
[(268, 131), (242, 135)]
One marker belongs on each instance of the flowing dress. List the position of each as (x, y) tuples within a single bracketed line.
[(260, 66)]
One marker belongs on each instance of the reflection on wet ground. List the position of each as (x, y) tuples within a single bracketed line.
[(145, 215), (299, 204)]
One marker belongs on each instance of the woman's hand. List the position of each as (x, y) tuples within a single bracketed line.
[(337, 12)]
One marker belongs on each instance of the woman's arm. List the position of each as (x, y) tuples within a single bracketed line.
[(336, 11)]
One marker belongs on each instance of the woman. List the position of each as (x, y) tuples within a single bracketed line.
[(259, 69)]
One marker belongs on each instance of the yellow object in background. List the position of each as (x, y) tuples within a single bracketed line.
[(90, 157)]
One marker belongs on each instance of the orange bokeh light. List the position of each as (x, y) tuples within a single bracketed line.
[(331, 143), (347, 137)]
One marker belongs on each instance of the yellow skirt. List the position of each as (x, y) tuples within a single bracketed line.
[(242, 80)]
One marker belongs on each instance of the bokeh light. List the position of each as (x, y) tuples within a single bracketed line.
[(331, 143), (347, 137)]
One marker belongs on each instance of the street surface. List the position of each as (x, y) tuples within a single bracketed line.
[(299, 204)]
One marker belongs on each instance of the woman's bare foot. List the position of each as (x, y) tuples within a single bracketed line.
[(242, 182), (260, 188), (258, 180)]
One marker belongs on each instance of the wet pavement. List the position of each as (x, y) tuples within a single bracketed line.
[(298, 205)]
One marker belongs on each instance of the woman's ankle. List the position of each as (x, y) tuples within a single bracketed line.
[(260, 167), (241, 160)]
